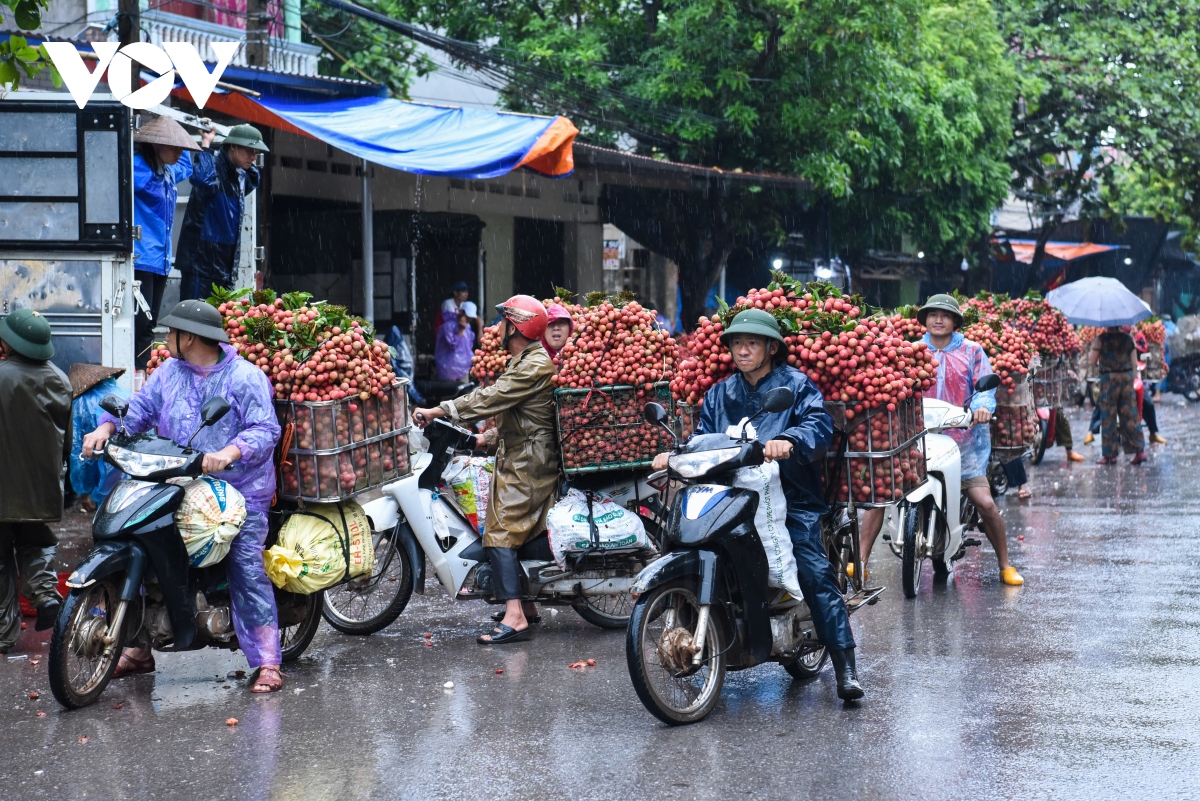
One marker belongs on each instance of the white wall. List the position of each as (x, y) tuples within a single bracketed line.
[(498, 249)]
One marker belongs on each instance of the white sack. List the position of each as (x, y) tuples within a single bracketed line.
[(570, 532), (770, 521), (209, 517)]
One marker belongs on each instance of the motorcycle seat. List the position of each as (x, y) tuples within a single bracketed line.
[(537, 549)]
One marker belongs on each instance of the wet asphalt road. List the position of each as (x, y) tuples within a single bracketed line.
[(1085, 683)]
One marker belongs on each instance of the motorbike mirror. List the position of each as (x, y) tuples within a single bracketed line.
[(654, 413), (987, 383), (214, 410), (778, 399), (114, 404)]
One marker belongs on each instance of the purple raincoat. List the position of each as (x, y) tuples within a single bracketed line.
[(170, 402), (960, 365), (452, 352)]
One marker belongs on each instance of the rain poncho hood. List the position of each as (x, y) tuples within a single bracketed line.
[(35, 437), (171, 400), (806, 425), (453, 350), (960, 365)]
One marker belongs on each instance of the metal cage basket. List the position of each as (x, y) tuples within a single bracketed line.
[(603, 428)]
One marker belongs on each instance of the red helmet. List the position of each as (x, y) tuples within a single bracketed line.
[(526, 313)]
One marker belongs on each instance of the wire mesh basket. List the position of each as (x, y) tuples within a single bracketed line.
[(1052, 384), (884, 458), (603, 428), (334, 450)]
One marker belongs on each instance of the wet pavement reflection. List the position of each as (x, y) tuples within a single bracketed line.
[(1084, 683)]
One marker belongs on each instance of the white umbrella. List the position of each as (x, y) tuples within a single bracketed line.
[(1098, 301)]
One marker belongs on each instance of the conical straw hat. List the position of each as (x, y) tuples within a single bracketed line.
[(165, 131)]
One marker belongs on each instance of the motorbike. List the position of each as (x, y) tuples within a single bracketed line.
[(934, 520), (135, 585), (705, 607), (1184, 377), (416, 519)]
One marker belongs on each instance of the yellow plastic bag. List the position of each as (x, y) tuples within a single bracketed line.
[(310, 554)]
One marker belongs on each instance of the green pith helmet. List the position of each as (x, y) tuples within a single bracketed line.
[(945, 303), (196, 317), (756, 322), (28, 333), (246, 136)]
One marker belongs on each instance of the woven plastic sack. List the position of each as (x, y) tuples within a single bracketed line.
[(310, 554), (469, 478), (770, 521), (209, 517), (571, 532)]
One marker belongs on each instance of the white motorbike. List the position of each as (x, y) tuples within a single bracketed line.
[(934, 520), (416, 520)]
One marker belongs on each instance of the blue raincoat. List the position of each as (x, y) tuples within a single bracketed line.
[(212, 222), (806, 425), (94, 477), (960, 365), (154, 196), (171, 401)]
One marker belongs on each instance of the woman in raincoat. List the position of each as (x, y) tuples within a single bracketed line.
[(526, 472), (239, 447), (559, 327)]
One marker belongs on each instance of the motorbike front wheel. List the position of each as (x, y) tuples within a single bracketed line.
[(372, 603), (81, 662), (1039, 443), (916, 544), (293, 640), (660, 654)]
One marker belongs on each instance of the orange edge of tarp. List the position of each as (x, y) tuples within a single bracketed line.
[(238, 105), (551, 154), (1024, 253)]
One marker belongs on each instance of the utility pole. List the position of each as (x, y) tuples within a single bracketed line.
[(258, 36), (129, 29)]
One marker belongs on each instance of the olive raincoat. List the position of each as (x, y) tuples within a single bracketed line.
[(35, 439), (526, 473)]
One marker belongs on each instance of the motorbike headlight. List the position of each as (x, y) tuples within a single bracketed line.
[(694, 465), (143, 464), (934, 417)]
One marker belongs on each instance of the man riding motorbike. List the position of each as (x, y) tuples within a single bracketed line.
[(798, 439), (203, 367), (961, 363), (526, 471)]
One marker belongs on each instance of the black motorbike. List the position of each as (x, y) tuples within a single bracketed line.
[(705, 607), (135, 586)]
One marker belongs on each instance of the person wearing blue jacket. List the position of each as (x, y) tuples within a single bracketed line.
[(212, 225), (798, 439), (158, 167), (92, 479)]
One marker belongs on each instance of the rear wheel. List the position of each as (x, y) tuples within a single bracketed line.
[(294, 640), (660, 652), (368, 604), (916, 545), (81, 661), (808, 664), (605, 611), (997, 479), (1039, 442)]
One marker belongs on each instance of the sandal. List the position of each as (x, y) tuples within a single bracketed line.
[(499, 617), (269, 677), (1024, 494), (504, 634), (128, 666)]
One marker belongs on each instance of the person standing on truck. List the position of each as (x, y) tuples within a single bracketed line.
[(35, 438), (797, 438), (526, 473), (240, 447), (212, 224), (158, 167)]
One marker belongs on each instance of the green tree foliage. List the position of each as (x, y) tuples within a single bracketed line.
[(899, 113), (368, 50), (17, 57), (1107, 99)]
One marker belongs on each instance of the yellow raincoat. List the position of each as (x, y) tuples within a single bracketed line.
[(526, 473)]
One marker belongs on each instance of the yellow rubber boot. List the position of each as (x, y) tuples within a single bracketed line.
[(1089, 439), (1158, 440), (850, 572), (1011, 577)]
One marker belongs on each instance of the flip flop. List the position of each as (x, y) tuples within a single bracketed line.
[(504, 634), (499, 616), (135, 666)]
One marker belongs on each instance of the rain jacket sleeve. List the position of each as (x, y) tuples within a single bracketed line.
[(522, 381), (35, 439), (260, 428)]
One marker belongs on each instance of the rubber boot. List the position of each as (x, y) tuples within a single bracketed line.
[(848, 688)]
